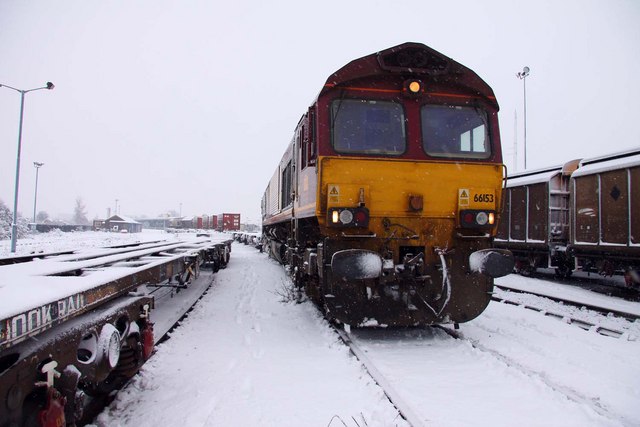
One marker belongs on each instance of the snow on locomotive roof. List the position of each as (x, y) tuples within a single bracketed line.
[(608, 163)]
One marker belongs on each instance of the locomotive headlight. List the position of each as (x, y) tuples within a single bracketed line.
[(482, 218), (334, 217), (492, 218), (346, 216), (414, 86)]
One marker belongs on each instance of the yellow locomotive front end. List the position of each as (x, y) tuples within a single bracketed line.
[(398, 237)]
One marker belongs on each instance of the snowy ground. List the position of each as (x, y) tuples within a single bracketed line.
[(243, 357), (59, 241)]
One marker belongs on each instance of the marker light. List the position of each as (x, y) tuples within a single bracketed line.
[(361, 217), (334, 216), (412, 88), (468, 218), (492, 218)]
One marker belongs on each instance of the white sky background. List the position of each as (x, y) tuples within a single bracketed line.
[(159, 103)]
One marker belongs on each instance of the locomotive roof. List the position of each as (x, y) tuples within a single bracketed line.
[(413, 60)]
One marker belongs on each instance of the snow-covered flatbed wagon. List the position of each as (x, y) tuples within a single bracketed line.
[(77, 323)]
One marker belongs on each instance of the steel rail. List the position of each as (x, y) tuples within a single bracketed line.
[(631, 317), (403, 408), (583, 324)]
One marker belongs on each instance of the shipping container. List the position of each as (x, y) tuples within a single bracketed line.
[(228, 222)]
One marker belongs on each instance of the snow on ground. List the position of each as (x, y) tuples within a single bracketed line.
[(245, 358), (451, 383), (585, 369), (57, 240)]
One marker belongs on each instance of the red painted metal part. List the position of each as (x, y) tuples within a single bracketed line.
[(53, 413), (147, 340)]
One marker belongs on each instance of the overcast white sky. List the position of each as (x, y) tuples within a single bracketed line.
[(161, 103)]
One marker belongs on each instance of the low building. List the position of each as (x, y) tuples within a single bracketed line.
[(122, 224), (161, 223)]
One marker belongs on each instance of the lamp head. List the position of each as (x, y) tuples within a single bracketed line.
[(50, 85), (524, 73)]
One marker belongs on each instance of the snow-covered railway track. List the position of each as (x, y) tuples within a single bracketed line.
[(569, 393), (558, 310), (583, 324), (631, 317), (404, 409), (427, 375)]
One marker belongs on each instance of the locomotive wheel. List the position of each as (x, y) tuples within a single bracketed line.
[(312, 289)]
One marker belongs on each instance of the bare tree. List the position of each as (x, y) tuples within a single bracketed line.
[(80, 213), (42, 216)]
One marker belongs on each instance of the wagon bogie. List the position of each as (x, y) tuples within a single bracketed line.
[(77, 358)]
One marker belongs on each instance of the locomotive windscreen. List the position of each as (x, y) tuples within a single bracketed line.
[(369, 127), (455, 131)]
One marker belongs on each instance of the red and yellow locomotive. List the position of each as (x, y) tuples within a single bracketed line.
[(386, 201)]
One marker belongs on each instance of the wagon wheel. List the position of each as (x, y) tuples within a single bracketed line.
[(563, 271), (129, 363), (524, 269)]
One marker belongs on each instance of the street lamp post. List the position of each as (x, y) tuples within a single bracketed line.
[(523, 76), (37, 165), (14, 223)]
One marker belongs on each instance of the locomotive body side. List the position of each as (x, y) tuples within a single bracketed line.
[(395, 179)]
